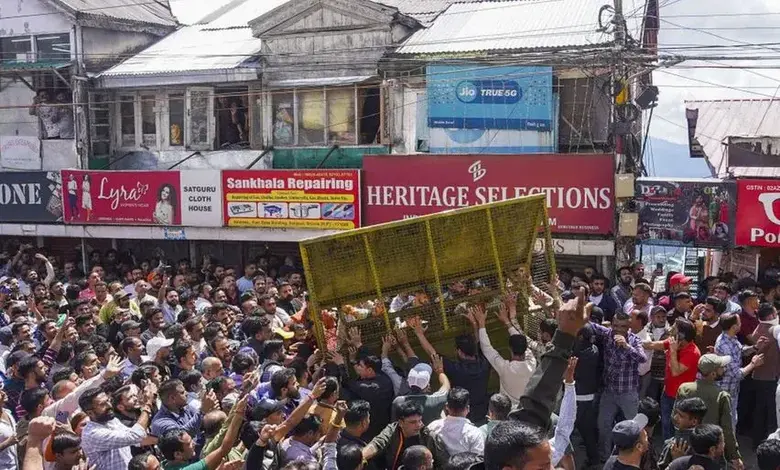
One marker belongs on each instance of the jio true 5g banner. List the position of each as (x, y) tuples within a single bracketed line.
[(690, 212)]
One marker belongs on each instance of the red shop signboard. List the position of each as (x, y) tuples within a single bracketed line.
[(121, 197), (758, 213), (579, 187)]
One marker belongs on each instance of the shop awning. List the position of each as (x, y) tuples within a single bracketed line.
[(19, 69)]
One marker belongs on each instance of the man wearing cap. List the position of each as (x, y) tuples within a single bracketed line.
[(120, 300), (158, 350), (631, 442), (641, 299), (712, 368), (419, 380)]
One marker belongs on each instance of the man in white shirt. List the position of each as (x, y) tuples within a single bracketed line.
[(638, 325), (456, 431), (515, 373)]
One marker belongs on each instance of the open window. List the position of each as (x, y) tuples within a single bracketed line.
[(232, 118)]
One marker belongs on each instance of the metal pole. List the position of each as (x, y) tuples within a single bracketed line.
[(84, 255)]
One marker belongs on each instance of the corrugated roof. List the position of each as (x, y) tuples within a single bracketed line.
[(424, 11), (513, 25), (721, 119), (157, 12), (240, 12), (192, 48)]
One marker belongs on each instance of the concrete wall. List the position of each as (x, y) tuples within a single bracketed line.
[(17, 121), (20, 17)]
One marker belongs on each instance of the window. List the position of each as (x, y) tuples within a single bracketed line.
[(311, 117), (17, 49), (284, 122), (232, 117), (53, 47), (100, 124), (344, 116), (341, 116), (369, 109), (176, 120), (127, 121), (200, 110), (149, 120)]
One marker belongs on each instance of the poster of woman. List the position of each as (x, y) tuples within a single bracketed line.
[(165, 209)]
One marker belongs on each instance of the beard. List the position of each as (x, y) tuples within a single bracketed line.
[(294, 394), (173, 304), (105, 417)]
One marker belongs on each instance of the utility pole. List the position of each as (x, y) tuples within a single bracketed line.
[(621, 92)]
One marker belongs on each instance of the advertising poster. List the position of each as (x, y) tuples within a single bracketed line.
[(30, 197), (693, 212), (309, 199), (758, 213), (579, 187), (167, 198), (484, 97)]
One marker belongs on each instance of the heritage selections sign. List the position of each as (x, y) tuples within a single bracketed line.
[(579, 188), (311, 199)]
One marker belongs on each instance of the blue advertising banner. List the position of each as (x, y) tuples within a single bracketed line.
[(485, 97)]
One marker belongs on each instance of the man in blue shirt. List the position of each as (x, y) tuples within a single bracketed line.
[(174, 412)]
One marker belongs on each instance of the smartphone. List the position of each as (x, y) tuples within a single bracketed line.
[(659, 266)]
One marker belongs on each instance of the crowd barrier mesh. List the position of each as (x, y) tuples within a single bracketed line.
[(434, 266)]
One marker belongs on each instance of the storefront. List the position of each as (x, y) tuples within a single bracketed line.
[(232, 215), (758, 224)]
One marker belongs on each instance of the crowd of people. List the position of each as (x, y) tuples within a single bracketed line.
[(146, 365)]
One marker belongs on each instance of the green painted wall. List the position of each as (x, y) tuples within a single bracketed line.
[(310, 157)]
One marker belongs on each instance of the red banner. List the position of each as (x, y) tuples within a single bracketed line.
[(758, 213), (579, 188), (121, 197), (313, 199)]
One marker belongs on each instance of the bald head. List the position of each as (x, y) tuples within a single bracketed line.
[(212, 368), (62, 389), (212, 422)]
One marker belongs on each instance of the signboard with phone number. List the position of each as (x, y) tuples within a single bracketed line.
[(308, 199)]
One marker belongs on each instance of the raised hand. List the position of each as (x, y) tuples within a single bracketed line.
[(437, 364), (568, 376), (114, 367), (477, 312), (572, 315), (319, 388)]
